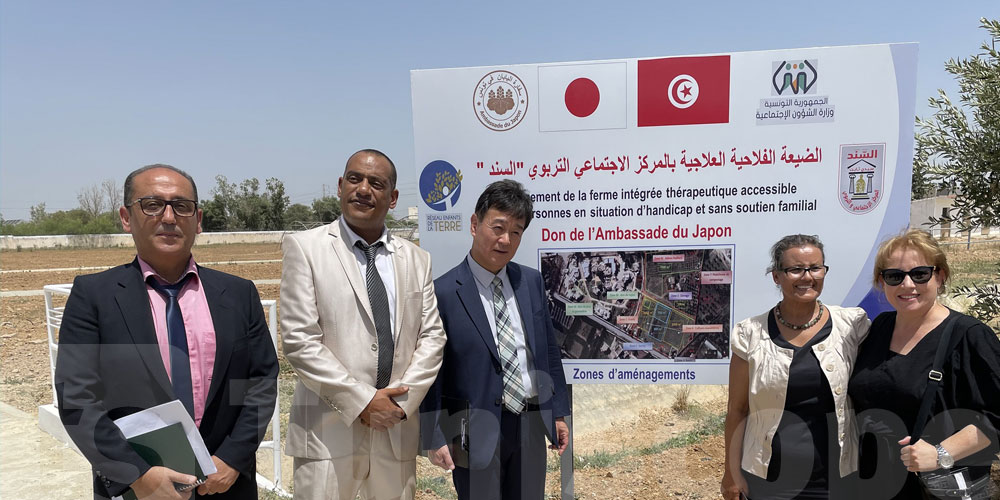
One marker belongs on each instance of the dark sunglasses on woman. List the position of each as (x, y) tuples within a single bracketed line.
[(919, 275)]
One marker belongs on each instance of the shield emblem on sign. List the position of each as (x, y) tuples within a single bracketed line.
[(862, 168)]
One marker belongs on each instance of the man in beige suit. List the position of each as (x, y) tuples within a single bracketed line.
[(360, 327)]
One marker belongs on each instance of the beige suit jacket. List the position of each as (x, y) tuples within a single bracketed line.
[(328, 336)]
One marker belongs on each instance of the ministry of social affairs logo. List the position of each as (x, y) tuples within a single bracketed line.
[(793, 77), (440, 185), (500, 100)]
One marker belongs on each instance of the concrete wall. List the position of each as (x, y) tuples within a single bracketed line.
[(922, 210), (125, 240)]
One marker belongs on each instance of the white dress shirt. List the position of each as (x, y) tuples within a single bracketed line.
[(383, 264), (484, 282)]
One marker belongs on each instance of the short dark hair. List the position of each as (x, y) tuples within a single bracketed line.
[(507, 196), (792, 241), (375, 152), (130, 180)]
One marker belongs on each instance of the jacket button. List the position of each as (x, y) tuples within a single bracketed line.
[(497, 402), (496, 369)]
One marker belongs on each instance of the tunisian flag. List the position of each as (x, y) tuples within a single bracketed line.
[(683, 91)]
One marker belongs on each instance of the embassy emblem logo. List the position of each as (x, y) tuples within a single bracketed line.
[(500, 100), (861, 171), (440, 185), (794, 77)]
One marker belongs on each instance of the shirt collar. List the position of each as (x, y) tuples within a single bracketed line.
[(353, 237), (147, 270), (483, 276)]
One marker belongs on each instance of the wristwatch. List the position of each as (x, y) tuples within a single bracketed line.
[(945, 460)]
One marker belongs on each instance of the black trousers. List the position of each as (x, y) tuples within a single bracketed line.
[(517, 470)]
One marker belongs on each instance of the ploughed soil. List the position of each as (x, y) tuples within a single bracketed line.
[(631, 442)]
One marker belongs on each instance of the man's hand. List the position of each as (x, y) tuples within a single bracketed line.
[(219, 482), (734, 486), (441, 457), (382, 412), (918, 457), (158, 484), (562, 436)]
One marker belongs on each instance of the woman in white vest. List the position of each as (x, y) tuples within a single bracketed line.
[(790, 429)]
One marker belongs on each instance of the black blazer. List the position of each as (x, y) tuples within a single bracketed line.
[(471, 368), (109, 366)]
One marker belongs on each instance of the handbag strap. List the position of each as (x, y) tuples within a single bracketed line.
[(933, 379)]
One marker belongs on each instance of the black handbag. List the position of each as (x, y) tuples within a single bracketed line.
[(953, 483)]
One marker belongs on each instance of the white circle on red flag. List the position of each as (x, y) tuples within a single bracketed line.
[(582, 97), (683, 91)]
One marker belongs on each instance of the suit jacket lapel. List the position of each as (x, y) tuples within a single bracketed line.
[(347, 259), (468, 294), (523, 296), (399, 265), (133, 301), (215, 294)]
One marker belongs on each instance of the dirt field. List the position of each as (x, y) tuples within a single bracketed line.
[(612, 428)]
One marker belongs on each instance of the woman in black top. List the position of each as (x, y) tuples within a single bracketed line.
[(891, 374), (788, 409)]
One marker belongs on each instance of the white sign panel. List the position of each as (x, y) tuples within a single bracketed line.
[(659, 185)]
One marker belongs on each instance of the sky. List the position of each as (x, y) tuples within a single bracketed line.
[(91, 90)]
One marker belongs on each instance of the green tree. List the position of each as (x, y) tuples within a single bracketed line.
[(958, 147), (37, 212), (213, 215), (298, 215), (243, 207), (326, 209), (277, 204)]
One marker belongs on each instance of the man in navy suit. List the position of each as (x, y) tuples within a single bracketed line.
[(162, 328), (501, 362)]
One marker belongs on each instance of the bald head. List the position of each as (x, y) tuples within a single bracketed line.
[(378, 154)]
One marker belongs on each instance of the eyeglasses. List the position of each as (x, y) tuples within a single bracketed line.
[(919, 275), (154, 207), (817, 272)]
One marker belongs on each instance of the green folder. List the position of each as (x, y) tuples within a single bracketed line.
[(168, 447)]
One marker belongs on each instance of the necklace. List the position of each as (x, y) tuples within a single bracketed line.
[(777, 316)]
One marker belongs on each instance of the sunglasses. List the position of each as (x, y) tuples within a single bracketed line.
[(919, 275)]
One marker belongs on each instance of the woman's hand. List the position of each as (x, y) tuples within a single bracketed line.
[(733, 486), (918, 457)]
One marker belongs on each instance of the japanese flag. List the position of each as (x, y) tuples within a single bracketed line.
[(683, 91), (581, 96)]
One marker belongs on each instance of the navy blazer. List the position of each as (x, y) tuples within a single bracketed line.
[(471, 369), (109, 366)]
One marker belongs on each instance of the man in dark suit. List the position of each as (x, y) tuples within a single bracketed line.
[(501, 362), (158, 329)]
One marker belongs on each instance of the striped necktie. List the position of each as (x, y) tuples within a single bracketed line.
[(380, 310), (513, 388)]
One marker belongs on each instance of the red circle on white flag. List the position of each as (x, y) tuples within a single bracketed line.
[(582, 97)]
